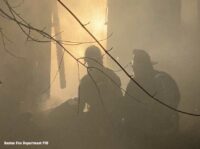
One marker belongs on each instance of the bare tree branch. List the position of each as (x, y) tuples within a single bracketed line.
[(27, 30), (121, 67), (4, 38)]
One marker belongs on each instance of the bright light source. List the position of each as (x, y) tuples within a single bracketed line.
[(98, 24)]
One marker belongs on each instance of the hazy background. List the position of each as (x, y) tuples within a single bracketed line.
[(168, 30)]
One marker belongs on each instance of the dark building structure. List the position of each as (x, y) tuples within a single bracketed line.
[(32, 72)]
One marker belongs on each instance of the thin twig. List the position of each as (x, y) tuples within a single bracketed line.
[(121, 67)]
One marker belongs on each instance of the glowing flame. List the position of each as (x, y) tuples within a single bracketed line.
[(98, 24)]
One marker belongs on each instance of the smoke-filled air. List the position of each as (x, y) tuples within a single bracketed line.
[(100, 74)]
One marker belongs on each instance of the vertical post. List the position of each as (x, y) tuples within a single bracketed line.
[(60, 52)]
